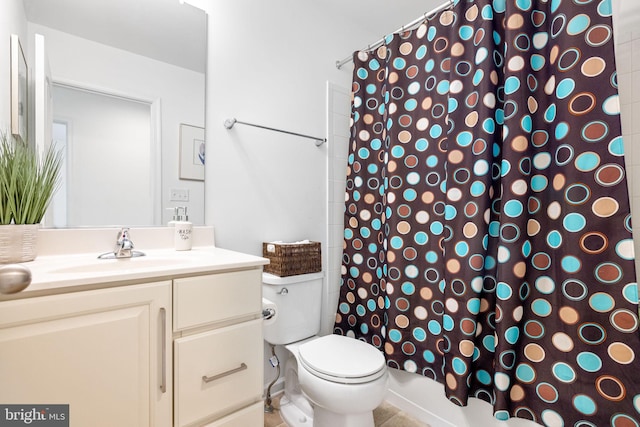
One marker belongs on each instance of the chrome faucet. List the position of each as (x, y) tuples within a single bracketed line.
[(124, 245), (123, 248)]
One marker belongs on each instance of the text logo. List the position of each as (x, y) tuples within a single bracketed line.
[(34, 415)]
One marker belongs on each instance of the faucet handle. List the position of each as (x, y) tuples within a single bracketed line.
[(123, 239), (123, 234), (124, 245)]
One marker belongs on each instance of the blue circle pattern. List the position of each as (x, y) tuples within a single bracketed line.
[(487, 228)]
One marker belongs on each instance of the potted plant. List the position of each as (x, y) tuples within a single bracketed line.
[(27, 184)]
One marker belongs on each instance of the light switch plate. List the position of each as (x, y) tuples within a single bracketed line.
[(179, 195)]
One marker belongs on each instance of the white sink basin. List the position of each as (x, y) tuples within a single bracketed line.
[(121, 264)]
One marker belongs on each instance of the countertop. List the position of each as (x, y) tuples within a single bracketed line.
[(55, 274)]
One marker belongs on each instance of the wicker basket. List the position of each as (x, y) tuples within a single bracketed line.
[(289, 259)]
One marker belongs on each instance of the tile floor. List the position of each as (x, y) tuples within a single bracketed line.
[(386, 415)]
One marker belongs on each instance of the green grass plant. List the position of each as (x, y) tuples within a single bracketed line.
[(27, 181)]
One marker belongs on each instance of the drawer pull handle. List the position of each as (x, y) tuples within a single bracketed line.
[(163, 351), (207, 379)]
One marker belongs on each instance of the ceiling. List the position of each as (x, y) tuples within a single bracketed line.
[(174, 33), (161, 29), (382, 16)]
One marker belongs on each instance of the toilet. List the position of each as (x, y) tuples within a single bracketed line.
[(330, 381)]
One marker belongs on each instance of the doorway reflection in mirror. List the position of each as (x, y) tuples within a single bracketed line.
[(109, 159)]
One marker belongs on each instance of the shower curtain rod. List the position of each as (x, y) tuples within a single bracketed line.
[(380, 42), (230, 122)]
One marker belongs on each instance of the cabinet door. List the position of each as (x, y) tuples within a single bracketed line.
[(101, 352)]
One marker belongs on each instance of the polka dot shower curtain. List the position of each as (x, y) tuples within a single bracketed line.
[(488, 236)]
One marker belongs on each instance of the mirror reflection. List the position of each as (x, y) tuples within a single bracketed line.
[(125, 74), (94, 130)]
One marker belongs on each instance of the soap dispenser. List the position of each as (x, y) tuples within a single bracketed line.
[(174, 217), (183, 234)]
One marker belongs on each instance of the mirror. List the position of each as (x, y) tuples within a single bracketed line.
[(149, 55)]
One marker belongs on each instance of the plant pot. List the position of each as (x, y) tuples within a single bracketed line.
[(18, 243)]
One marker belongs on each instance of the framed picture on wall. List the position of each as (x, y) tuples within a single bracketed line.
[(191, 152), (19, 81)]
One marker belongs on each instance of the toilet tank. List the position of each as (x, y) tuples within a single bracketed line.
[(298, 301)]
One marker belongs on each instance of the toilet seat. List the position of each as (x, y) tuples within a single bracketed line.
[(342, 359)]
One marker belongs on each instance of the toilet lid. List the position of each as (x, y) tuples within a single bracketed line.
[(343, 359)]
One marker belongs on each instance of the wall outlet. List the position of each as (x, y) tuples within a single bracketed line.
[(179, 195)]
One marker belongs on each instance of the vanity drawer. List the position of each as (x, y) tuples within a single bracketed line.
[(217, 371), (216, 297)]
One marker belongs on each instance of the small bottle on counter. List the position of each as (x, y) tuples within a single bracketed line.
[(174, 216), (183, 235)]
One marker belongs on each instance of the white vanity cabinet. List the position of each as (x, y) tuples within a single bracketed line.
[(105, 352), (169, 339), (218, 349)]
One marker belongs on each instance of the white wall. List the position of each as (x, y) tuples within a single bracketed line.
[(338, 119), (627, 34), (269, 63), (12, 21), (180, 91)]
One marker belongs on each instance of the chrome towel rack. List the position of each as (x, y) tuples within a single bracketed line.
[(229, 123)]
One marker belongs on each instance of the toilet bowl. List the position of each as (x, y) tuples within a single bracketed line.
[(330, 381), (345, 380)]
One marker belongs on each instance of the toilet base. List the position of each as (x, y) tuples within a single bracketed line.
[(295, 409), (324, 418), (292, 415)]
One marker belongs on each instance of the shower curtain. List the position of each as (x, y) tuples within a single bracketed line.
[(487, 227)]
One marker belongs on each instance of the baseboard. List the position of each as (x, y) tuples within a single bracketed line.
[(416, 411)]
